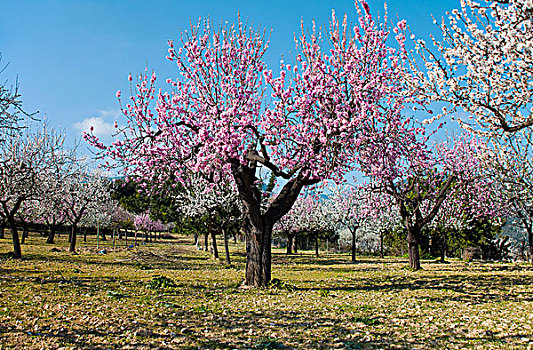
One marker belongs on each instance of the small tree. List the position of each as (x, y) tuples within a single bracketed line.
[(420, 178), (84, 191)]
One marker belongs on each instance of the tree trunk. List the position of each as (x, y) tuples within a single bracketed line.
[(353, 232), (295, 244), (290, 240), (316, 245), (102, 235), (206, 241), (2, 230), (530, 241), (17, 252), (381, 250), (24, 234), (196, 239), (412, 243), (51, 235), (444, 246), (226, 246), (72, 247), (214, 243), (258, 252), (84, 234)]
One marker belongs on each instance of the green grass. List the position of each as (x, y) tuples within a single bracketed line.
[(169, 295)]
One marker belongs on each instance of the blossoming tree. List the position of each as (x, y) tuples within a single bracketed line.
[(483, 65), (215, 119)]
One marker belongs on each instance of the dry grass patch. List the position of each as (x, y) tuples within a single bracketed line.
[(169, 295)]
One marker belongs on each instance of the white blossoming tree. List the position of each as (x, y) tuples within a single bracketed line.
[(483, 65)]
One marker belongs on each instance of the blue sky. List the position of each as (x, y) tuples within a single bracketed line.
[(71, 56)]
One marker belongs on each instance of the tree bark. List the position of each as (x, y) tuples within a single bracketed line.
[(316, 245), (51, 235), (444, 246), (214, 243), (381, 250), (413, 234), (290, 240), (226, 246), (2, 230), (17, 251), (24, 234), (353, 231), (72, 247), (258, 253), (530, 241), (206, 241)]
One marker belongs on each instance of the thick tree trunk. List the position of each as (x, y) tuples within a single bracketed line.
[(2, 230), (17, 251), (413, 234), (51, 235), (226, 246), (258, 253), (72, 247)]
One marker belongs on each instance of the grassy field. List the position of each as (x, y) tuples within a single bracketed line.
[(172, 296)]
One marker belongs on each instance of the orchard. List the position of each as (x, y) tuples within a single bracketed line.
[(373, 177)]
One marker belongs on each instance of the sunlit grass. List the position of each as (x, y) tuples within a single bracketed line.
[(123, 299)]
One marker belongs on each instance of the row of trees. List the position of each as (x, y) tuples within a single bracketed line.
[(341, 105)]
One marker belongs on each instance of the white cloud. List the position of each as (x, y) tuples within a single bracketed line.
[(102, 128)]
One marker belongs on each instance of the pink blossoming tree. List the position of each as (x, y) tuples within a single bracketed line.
[(215, 118)]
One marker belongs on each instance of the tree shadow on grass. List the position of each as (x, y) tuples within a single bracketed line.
[(473, 289)]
